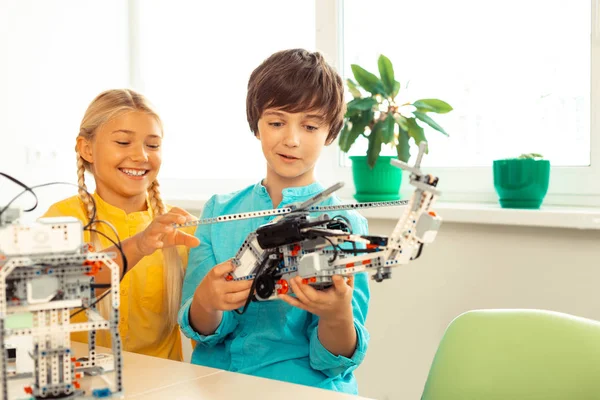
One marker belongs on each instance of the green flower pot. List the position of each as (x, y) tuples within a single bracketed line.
[(521, 183), (381, 183)]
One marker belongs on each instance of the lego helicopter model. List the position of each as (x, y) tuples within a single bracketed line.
[(317, 248)]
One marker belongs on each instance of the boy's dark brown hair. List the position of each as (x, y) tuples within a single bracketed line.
[(296, 80)]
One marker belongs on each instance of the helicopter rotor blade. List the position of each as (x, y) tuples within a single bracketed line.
[(289, 210), (236, 217), (358, 206), (320, 197)]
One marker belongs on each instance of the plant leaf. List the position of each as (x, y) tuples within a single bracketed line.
[(403, 147), (416, 132), (375, 141), (387, 131), (361, 104), (435, 105), (401, 121), (396, 89), (367, 80), (386, 71), (427, 119), (531, 155), (344, 136), (351, 113), (359, 123), (353, 89)]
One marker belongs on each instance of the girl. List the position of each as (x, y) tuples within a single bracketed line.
[(119, 143)]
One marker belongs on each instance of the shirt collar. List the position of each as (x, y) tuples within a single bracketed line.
[(298, 192), (104, 208)]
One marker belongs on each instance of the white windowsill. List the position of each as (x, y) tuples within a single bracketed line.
[(471, 213)]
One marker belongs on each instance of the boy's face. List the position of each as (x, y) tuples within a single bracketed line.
[(292, 143)]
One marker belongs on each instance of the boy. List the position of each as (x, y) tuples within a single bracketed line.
[(295, 107)]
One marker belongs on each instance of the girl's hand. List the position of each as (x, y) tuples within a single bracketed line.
[(215, 293), (161, 234), (334, 303)]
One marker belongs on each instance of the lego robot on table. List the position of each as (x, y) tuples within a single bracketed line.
[(46, 273), (315, 248)]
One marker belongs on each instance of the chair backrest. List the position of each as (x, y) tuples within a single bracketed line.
[(516, 355)]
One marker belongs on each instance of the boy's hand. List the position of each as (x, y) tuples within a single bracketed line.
[(334, 303), (215, 293), (161, 233)]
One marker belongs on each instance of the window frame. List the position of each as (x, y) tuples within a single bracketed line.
[(569, 186)]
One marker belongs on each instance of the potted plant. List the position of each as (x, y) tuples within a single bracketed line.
[(522, 182), (375, 115)]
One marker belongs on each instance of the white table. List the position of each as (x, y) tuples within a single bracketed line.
[(152, 378)]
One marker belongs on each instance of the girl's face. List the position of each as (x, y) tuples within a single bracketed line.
[(125, 156)]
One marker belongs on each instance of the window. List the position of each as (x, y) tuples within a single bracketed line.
[(523, 76), (56, 57), (194, 63), (518, 74)]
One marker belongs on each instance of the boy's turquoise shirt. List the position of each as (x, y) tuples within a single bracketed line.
[(271, 339)]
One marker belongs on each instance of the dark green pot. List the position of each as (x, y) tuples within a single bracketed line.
[(381, 183), (521, 183)]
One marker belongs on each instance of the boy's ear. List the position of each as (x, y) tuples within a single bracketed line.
[(84, 148)]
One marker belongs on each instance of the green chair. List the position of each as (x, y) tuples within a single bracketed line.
[(516, 355)]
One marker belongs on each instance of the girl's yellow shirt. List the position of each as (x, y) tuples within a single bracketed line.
[(142, 320)]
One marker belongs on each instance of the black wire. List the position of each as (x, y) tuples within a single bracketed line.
[(325, 232), (355, 251), (104, 285), (314, 223), (91, 305), (87, 227), (335, 249), (27, 189), (344, 221), (118, 246), (253, 287), (100, 221), (30, 189), (93, 218), (348, 224)]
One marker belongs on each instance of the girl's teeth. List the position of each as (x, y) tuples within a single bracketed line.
[(134, 172)]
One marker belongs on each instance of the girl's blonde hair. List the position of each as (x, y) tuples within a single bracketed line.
[(106, 106)]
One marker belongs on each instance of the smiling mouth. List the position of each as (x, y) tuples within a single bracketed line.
[(288, 157), (134, 172)]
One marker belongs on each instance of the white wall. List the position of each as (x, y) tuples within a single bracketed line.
[(470, 267)]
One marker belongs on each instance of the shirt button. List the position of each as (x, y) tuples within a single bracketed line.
[(244, 334), (124, 292), (234, 369)]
